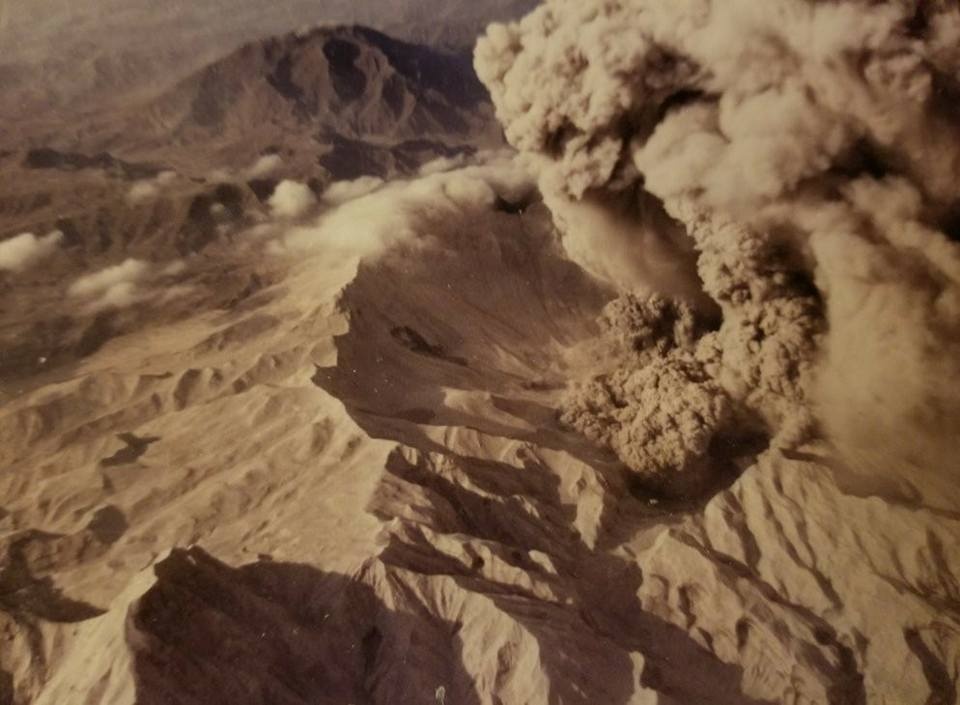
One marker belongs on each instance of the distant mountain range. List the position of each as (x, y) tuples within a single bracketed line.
[(349, 99), (61, 56), (321, 105), (322, 90)]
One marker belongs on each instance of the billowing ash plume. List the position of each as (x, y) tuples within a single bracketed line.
[(796, 162)]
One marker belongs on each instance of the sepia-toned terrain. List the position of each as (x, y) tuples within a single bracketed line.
[(317, 388)]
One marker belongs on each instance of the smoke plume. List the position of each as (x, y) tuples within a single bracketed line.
[(793, 161)]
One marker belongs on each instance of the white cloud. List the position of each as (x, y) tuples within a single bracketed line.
[(131, 270), (264, 166), (442, 164), (130, 282), (291, 199), (113, 287), (149, 189), (143, 191), (25, 250), (175, 292), (469, 190), (220, 175), (369, 224), (165, 178), (361, 226), (119, 295), (342, 191), (175, 267), (260, 231)]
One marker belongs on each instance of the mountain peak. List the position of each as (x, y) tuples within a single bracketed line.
[(319, 89)]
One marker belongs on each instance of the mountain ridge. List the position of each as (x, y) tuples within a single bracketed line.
[(314, 90), (90, 55)]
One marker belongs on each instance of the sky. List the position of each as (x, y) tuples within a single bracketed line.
[(36, 26)]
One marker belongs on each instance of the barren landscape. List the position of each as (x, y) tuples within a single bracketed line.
[(616, 362)]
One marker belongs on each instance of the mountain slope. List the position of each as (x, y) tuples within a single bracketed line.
[(73, 58), (307, 93), (183, 174), (350, 82), (354, 487)]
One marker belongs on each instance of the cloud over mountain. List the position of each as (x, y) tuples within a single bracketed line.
[(25, 250)]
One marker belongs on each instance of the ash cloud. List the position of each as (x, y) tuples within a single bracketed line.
[(794, 162), (659, 409)]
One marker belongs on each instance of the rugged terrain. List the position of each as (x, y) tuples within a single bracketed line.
[(184, 173), (351, 486), (305, 93), (65, 61), (654, 415)]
